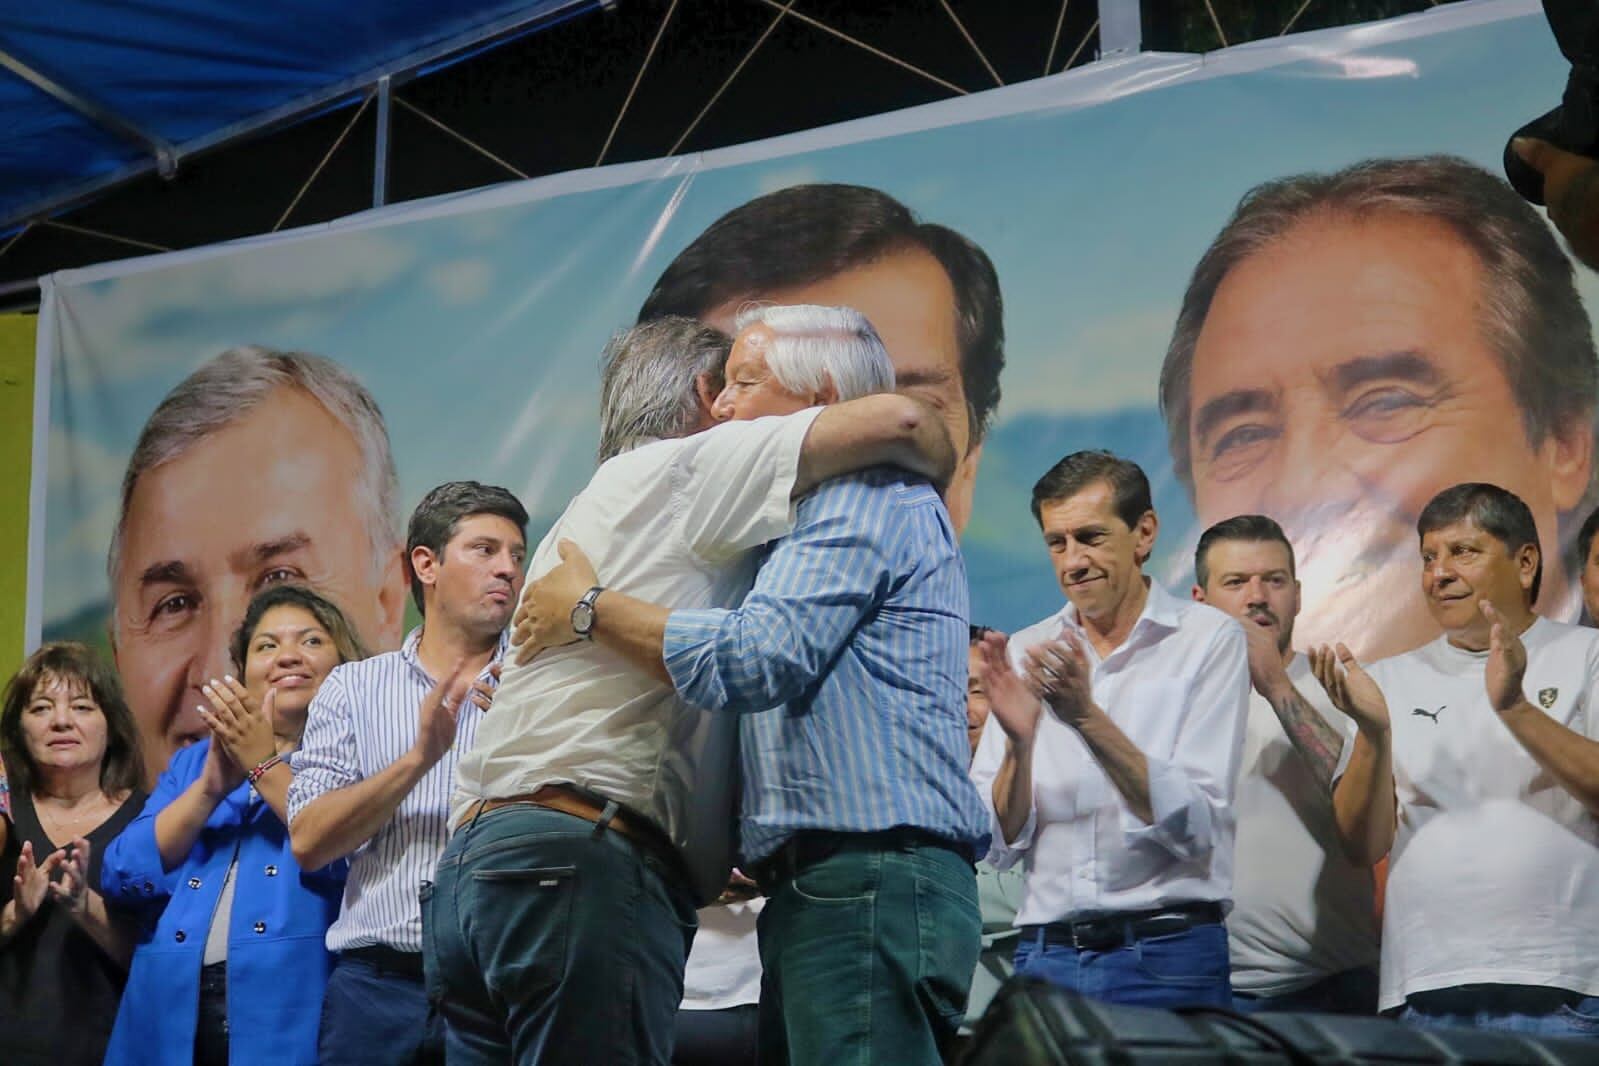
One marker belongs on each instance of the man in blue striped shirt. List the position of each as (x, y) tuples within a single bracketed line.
[(857, 814), (374, 775)]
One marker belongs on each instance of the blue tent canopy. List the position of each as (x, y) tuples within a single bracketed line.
[(96, 92)]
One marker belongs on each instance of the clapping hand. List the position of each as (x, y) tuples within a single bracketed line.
[(242, 727), (1011, 702), (438, 714), (31, 884), (1350, 688), (72, 890), (482, 692), (1058, 673), (1507, 662)]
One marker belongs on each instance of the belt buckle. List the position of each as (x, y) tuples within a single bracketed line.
[(1098, 934)]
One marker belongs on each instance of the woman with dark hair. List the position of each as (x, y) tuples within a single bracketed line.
[(71, 756), (233, 965)]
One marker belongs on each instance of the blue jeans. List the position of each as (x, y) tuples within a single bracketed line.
[(550, 940), (1183, 969), (1349, 992), (372, 1017), (867, 955), (1523, 1009)]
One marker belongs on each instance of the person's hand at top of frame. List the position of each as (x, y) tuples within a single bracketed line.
[(1571, 189)]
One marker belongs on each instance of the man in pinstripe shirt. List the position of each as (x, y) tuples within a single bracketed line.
[(374, 775), (857, 814)]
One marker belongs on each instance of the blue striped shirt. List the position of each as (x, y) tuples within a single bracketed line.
[(852, 646), (362, 719)]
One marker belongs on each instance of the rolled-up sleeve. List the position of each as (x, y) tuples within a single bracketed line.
[(1192, 793), (131, 872), (328, 758), (809, 595)]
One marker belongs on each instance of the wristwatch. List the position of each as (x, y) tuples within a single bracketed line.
[(583, 613)]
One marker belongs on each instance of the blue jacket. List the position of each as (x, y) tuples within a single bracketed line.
[(277, 961)]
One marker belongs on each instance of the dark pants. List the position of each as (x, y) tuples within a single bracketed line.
[(376, 1015), (1349, 992), (868, 953), (1183, 969), (1526, 1009), (211, 1027), (550, 940), (725, 1037)]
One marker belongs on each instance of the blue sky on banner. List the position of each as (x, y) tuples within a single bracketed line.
[(478, 331)]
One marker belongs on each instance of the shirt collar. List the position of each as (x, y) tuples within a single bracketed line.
[(414, 638), (1161, 609)]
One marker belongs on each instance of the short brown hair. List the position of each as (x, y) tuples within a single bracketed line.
[(121, 769)]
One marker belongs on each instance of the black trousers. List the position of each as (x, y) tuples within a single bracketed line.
[(211, 1034)]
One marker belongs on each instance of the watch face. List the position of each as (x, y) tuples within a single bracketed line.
[(582, 618)]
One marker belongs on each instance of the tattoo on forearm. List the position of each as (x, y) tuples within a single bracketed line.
[(1315, 741)]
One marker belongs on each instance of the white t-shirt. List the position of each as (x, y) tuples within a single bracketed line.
[(1178, 687), (671, 522), (1494, 875), (724, 965), (1301, 910)]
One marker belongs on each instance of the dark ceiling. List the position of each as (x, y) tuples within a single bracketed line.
[(720, 72)]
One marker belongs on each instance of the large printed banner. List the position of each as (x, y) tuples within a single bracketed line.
[(1057, 265)]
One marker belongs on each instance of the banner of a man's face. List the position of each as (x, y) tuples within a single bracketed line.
[(1286, 280)]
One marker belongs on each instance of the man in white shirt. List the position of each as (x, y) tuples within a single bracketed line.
[(1476, 762), (1110, 756), (565, 902), (374, 773), (1303, 929)]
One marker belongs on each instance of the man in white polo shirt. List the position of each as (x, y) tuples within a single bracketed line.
[(564, 903), (1477, 762), (1110, 756), (1303, 929)]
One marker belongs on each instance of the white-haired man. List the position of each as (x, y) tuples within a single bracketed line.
[(564, 904), (261, 466), (857, 817)]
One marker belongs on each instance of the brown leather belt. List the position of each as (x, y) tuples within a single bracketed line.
[(569, 800)]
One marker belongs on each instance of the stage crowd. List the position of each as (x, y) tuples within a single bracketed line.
[(726, 772)]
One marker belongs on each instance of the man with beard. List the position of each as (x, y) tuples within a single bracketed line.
[(1302, 933)]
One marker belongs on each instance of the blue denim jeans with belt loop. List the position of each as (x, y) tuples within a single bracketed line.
[(1528, 1010), (1182, 969), (868, 955), (547, 939)]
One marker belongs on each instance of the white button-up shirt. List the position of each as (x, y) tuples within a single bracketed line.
[(673, 522), (1179, 688)]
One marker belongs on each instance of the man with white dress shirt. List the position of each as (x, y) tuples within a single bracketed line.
[(1303, 929), (1109, 759), (1477, 764), (564, 904), (375, 772)]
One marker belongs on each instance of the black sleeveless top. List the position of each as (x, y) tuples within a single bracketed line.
[(58, 990)]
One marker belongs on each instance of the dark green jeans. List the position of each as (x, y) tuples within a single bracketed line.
[(868, 954)]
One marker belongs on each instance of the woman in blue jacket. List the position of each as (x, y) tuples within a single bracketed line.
[(233, 951)]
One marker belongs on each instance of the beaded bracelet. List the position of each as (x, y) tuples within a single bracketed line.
[(261, 768)]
